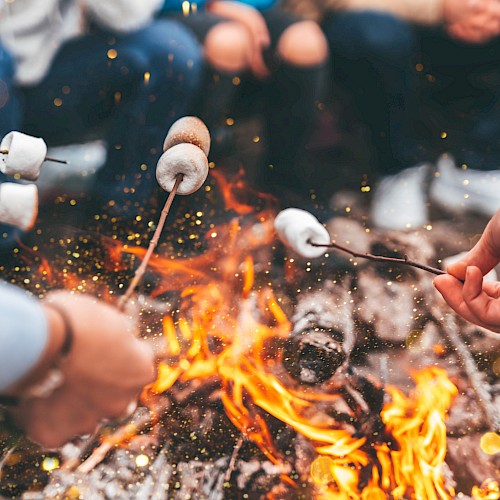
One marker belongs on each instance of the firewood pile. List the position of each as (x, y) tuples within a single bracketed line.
[(277, 354)]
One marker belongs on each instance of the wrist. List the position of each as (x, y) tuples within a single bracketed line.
[(58, 342)]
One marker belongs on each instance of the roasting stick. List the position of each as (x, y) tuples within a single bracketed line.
[(303, 233), (152, 245), (182, 169), (47, 158), (379, 258)]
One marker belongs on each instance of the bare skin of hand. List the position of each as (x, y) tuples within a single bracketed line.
[(472, 21), (463, 287), (253, 21), (104, 372)]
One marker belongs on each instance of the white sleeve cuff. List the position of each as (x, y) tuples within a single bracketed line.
[(123, 15)]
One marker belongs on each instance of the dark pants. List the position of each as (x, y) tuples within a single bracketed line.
[(411, 85), (286, 101), (128, 88)]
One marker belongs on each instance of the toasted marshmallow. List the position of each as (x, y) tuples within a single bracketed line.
[(297, 229), (188, 129), (186, 159)]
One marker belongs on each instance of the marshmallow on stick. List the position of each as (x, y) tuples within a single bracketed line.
[(18, 204), (191, 130), (186, 159), (181, 169), (297, 228), (25, 155)]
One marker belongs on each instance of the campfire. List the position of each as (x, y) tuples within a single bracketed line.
[(281, 377)]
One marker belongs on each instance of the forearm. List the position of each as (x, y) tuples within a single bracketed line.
[(416, 11), (122, 15), (427, 12)]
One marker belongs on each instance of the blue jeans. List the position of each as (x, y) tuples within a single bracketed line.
[(129, 88), (376, 56)]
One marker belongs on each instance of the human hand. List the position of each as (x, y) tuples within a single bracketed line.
[(253, 21), (463, 287), (105, 370), (472, 21)]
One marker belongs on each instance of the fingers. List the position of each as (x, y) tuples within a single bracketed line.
[(485, 254), (475, 301), (482, 306), (52, 422)]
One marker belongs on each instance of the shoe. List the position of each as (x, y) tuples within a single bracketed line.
[(465, 190), (400, 201)]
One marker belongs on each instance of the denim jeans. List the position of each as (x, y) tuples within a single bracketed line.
[(129, 88), (393, 68)]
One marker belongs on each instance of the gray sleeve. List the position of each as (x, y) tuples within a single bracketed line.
[(23, 333)]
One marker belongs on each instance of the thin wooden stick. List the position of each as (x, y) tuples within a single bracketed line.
[(139, 273), (449, 328), (234, 457), (379, 258), (47, 158)]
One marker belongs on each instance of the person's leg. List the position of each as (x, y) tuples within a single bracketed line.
[(373, 54), (226, 47), (139, 83), (468, 78), (10, 100), (10, 119), (299, 71)]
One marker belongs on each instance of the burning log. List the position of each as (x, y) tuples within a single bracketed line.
[(322, 336)]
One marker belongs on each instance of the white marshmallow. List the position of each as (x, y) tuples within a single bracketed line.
[(188, 129), (25, 157), (18, 204), (296, 228), (186, 159)]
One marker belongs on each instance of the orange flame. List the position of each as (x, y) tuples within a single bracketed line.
[(244, 321), (223, 302)]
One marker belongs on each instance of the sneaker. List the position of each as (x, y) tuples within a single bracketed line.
[(465, 190), (400, 201)]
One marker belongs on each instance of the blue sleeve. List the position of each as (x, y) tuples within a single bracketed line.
[(175, 6), (260, 4), (23, 334), (171, 6)]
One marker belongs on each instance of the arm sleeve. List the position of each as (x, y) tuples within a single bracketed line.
[(426, 12), (23, 334), (260, 4), (122, 15)]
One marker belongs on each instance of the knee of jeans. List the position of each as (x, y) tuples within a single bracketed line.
[(227, 47), (165, 50), (303, 44), (7, 64), (371, 35)]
